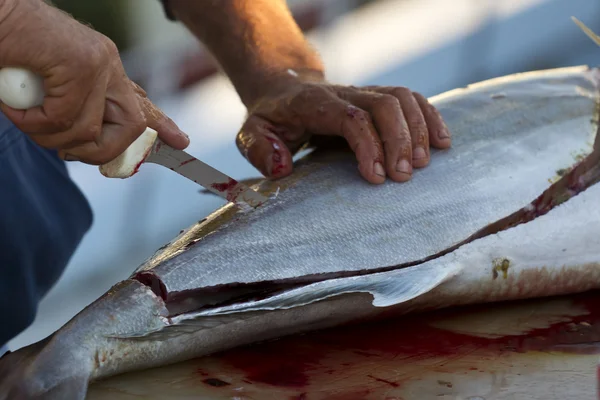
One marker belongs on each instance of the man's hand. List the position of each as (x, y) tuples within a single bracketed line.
[(390, 129), (92, 112), (280, 80)]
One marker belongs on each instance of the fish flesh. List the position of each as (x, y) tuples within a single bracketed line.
[(509, 212)]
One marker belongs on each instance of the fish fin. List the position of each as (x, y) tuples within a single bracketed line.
[(247, 182), (587, 31), (387, 288), (186, 326)]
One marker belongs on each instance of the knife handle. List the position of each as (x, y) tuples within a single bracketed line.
[(22, 89)]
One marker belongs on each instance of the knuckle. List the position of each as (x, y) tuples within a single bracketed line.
[(90, 132), (99, 54), (138, 89), (401, 92), (62, 122), (386, 101), (109, 46), (311, 93)]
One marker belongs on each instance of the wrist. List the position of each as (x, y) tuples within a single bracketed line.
[(270, 82)]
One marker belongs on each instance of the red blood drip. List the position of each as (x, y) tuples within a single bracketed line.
[(351, 111), (277, 165), (230, 187), (137, 167), (187, 162), (223, 187)]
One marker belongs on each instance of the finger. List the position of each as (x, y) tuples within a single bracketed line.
[(86, 128), (322, 112), (263, 148), (391, 126), (167, 130), (439, 135), (62, 105), (416, 124), (124, 122)]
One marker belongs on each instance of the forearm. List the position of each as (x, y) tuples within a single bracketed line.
[(256, 42)]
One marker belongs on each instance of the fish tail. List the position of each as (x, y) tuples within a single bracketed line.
[(20, 376)]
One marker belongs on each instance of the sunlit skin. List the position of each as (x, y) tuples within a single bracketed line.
[(92, 111), (281, 80)]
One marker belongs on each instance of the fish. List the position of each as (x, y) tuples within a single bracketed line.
[(509, 212)]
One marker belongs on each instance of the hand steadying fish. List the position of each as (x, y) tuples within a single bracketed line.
[(312, 259)]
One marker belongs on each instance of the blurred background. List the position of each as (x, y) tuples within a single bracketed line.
[(428, 45)]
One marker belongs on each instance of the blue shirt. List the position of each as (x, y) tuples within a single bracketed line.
[(43, 217)]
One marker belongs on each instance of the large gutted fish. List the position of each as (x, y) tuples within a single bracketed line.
[(490, 219)]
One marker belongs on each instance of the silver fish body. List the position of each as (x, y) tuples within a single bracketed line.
[(331, 249)]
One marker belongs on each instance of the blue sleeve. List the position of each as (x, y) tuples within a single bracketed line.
[(43, 218)]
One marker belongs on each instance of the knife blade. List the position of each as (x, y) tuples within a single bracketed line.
[(203, 174)]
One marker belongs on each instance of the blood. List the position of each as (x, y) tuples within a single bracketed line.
[(233, 191), (277, 160), (352, 111), (137, 167), (223, 187), (292, 361), (187, 162)]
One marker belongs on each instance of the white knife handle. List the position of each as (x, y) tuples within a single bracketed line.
[(22, 89)]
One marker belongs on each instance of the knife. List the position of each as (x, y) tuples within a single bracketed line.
[(22, 89)]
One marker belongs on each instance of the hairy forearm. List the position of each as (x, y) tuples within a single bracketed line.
[(256, 42)]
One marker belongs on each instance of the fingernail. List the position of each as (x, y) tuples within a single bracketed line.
[(69, 157), (404, 167), (184, 135), (443, 134), (379, 169), (268, 167), (419, 153)]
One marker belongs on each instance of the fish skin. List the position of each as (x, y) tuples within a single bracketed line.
[(555, 253), (352, 224)]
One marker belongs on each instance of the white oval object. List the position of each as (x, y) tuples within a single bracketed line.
[(20, 88)]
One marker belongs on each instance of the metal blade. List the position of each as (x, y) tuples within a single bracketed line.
[(203, 174)]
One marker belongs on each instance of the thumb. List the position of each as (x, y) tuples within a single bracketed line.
[(263, 148)]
